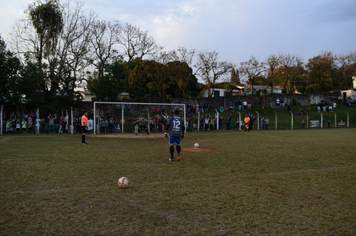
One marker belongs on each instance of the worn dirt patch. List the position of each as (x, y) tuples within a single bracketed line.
[(145, 136)]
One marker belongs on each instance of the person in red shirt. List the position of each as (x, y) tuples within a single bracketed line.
[(249, 104), (84, 126)]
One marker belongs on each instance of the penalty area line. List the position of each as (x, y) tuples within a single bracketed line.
[(264, 135), (54, 190), (151, 209), (178, 181), (248, 175)]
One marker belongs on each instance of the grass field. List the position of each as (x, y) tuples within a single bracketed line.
[(290, 182)]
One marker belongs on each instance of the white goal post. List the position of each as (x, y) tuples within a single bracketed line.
[(137, 103)]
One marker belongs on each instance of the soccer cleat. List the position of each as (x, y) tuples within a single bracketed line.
[(178, 157), (84, 143), (171, 159)]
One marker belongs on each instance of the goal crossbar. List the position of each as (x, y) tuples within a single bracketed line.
[(138, 103)]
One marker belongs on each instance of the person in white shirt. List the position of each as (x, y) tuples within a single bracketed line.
[(90, 125), (206, 122)]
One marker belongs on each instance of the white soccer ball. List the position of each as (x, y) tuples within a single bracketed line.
[(196, 145), (123, 182)]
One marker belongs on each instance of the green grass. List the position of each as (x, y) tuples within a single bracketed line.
[(291, 182)]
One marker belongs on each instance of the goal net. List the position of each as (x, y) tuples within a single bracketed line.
[(133, 118)]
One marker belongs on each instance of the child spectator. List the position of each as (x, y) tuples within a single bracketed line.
[(24, 126), (262, 121), (266, 123), (18, 126), (51, 123)]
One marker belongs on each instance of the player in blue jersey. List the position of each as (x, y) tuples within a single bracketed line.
[(176, 129)]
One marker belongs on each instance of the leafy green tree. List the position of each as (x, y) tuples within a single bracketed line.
[(112, 83), (31, 77), (18, 84), (136, 45), (10, 79), (47, 19), (272, 63), (182, 76), (143, 86), (322, 72), (347, 69), (235, 77), (155, 74)]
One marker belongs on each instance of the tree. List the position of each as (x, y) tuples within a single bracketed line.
[(136, 45), (286, 61), (10, 67), (298, 74), (210, 69), (182, 54), (74, 48), (155, 75), (104, 37), (112, 83), (31, 77), (47, 20), (62, 62), (18, 84), (252, 69), (272, 63), (321, 72), (347, 68), (231, 82), (235, 77), (291, 69), (180, 72), (73, 53), (182, 76)]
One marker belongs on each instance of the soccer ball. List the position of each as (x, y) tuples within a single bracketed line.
[(123, 182), (196, 145)]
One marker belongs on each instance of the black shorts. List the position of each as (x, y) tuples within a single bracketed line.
[(142, 126), (84, 129)]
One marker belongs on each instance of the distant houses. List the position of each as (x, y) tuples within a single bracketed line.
[(258, 88), (89, 96), (241, 90), (350, 93)]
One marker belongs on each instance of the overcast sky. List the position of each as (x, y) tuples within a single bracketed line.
[(236, 29)]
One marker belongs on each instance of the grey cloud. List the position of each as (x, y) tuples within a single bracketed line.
[(334, 12)]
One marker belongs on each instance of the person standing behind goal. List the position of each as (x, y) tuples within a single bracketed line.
[(176, 129), (84, 126)]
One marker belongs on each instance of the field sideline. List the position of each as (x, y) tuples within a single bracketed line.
[(290, 182)]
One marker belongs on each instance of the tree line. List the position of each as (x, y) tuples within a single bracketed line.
[(320, 74), (57, 47)]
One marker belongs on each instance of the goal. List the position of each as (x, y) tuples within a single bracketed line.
[(125, 114)]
